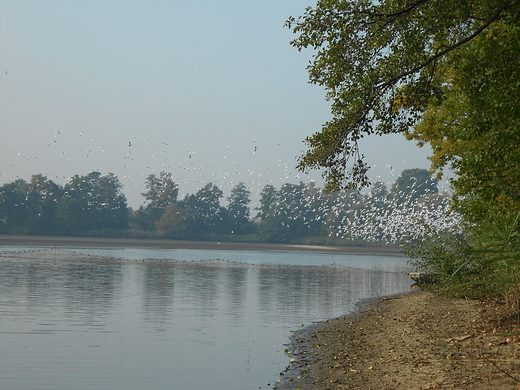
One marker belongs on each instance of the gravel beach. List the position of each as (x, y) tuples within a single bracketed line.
[(417, 340)]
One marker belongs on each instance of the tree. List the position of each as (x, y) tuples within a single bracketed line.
[(316, 208), (206, 215), (475, 129), (238, 209), (173, 222), (378, 191), (111, 203), (291, 213), (162, 192), (290, 217), (292, 204), (444, 73), (43, 196), (377, 199), (341, 206), (93, 202), (13, 204), (385, 64), (412, 184), (268, 199)]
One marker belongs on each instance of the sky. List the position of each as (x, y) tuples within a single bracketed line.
[(210, 91)]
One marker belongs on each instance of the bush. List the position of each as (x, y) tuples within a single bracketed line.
[(483, 263), (444, 257), (500, 247)]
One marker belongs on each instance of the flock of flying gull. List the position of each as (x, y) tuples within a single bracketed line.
[(394, 222), (59, 155), (388, 220)]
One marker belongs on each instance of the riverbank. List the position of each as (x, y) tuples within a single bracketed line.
[(417, 340), (51, 241)]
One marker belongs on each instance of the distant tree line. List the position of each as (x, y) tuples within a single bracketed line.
[(40, 206), (95, 205)]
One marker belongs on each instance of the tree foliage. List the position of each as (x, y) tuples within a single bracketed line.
[(86, 203), (173, 222), (42, 197), (413, 183), (385, 64), (268, 198), (162, 190), (13, 203), (475, 129), (238, 209), (444, 73), (93, 202), (206, 215)]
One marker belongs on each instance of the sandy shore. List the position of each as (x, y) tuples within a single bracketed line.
[(50, 241), (412, 341)]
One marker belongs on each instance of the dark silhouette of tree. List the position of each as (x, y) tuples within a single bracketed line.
[(43, 196), (93, 202), (206, 215), (238, 210), (289, 217), (412, 184), (268, 199), (173, 222), (162, 192), (341, 206), (315, 199), (13, 205)]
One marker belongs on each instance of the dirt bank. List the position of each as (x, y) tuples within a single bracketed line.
[(412, 341)]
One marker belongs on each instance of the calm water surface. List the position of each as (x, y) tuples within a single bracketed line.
[(156, 323)]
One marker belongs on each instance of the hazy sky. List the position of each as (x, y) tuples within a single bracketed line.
[(206, 90)]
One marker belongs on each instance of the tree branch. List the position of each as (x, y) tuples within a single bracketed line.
[(447, 50)]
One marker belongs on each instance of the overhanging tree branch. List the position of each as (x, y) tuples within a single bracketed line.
[(442, 53)]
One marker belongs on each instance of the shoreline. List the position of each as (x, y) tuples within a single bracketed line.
[(61, 241), (416, 341)]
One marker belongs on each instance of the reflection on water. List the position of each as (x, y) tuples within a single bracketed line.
[(163, 324)]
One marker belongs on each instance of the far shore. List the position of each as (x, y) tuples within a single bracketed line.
[(93, 242)]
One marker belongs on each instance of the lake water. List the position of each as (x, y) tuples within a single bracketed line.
[(172, 319)]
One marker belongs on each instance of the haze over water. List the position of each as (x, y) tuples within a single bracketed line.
[(163, 324)]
